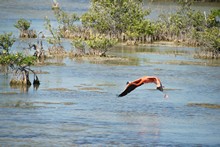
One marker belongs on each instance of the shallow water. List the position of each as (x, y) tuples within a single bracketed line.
[(76, 104)]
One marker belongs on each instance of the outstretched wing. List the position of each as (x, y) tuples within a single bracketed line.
[(128, 89)]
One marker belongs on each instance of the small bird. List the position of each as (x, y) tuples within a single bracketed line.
[(146, 79)]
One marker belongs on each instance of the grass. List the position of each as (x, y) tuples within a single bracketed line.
[(58, 89), (32, 105), (204, 105)]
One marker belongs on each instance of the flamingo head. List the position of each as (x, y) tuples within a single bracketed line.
[(160, 88)]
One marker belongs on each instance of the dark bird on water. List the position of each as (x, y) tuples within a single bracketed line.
[(146, 79)]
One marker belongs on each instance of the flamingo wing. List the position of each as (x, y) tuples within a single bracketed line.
[(128, 89)]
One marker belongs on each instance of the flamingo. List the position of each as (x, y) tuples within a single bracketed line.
[(143, 80)]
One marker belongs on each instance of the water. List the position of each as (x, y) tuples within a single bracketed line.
[(76, 104)]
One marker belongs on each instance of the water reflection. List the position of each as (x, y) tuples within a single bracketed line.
[(36, 86), (22, 88)]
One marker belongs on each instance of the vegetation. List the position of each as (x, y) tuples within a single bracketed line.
[(17, 59), (191, 27), (101, 45), (66, 22), (204, 105), (82, 40), (55, 40), (17, 62), (20, 65), (107, 21), (116, 17), (210, 42), (6, 42), (126, 21), (23, 25)]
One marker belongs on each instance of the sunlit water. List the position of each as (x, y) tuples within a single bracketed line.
[(76, 104)]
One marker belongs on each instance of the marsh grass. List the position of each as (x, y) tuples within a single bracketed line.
[(106, 84), (58, 89), (93, 89), (32, 105), (172, 62), (111, 60), (204, 105), (50, 63)]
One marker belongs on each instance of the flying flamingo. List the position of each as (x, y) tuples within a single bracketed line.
[(146, 79)]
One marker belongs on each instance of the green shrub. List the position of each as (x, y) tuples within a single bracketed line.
[(17, 59), (22, 24), (6, 42)]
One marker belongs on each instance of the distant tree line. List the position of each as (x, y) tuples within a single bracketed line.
[(186, 0), (126, 21)]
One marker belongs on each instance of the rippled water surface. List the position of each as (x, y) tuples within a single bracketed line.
[(76, 104)]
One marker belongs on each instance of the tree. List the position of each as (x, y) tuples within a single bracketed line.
[(101, 45), (66, 21), (210, 40), (20, 64), (118, 16), (55, 40), (67, 27), (23, 25), (183, 24), (213, 18), (17, 62), (6, 42)]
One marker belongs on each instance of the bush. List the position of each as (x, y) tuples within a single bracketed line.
[(114, 16), (6, 42), (212, 20), (17, 59), (101, 44), (210, 40), (22, 24)]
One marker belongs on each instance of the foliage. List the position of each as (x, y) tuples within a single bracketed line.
[(66, 25), (18, 62), (22, 24), (114, 16), (213, 18), (6, 42), (210, 39), (20, 65), (79, 44), (17, 59), (56, 38), (178, 24), (145, 27), (101, 44), (66, 21)]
